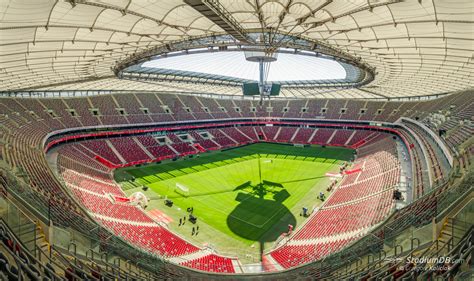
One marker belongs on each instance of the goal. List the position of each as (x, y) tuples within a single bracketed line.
[(182, 189)]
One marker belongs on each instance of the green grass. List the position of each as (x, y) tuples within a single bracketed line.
[(235, 210)]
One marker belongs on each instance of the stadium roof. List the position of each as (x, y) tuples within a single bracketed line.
[(415, 47)]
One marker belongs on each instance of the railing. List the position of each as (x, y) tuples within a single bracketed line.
[(423, 247), (34, 254), (437, 140)]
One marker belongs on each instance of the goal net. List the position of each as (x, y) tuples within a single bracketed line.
[(181, 189), (139, 199)]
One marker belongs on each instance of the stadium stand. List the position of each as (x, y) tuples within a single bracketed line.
[(104, 149), (341, 137), (235, 135), (99, 98), (361, 201), (285, 134), (153, 237), (212, 263), (221, 138), (322, 136), (206, 143), (294, 255), (81, 175), (128, 149), (248, 132), (91, 183), (303, 135)]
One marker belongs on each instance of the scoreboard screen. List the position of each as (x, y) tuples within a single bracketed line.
[(275, 91), (252, 89)]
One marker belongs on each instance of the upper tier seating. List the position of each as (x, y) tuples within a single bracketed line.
[(108, 113), (294, 108), (154, 106), (334, 108), (133, 112), (435, 166)]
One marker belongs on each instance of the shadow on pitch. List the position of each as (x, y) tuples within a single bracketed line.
[(260, 210)]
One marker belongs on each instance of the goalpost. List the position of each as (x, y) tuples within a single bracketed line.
[(182, 189)]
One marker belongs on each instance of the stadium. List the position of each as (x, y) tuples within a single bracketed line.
[(217, 139)]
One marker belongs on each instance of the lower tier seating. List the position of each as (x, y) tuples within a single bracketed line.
[(293, 255), (212, 263), (153, 238)]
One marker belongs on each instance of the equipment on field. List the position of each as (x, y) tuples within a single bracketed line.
[(305, 212), (139, 199), (192, 218), (169, 202), (397, 195), (182, 190)]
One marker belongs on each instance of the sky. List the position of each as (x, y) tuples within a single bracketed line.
[(288, 67)]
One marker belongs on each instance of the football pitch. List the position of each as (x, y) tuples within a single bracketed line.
[(244, 198)]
